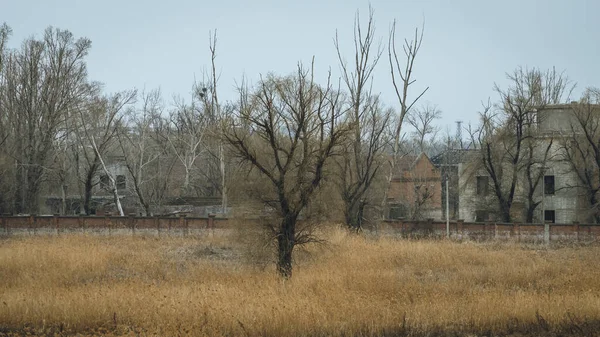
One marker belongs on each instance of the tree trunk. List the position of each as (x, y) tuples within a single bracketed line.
[(353, 213), (63, 199), (505, 210), (19, 189), (530, 214), (285, 245), (223, 183), (34, 176), (87, 192)]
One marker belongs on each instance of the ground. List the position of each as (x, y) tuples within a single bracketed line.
[(223, 283)]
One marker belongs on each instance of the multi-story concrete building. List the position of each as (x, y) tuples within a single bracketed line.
[(561, 196)]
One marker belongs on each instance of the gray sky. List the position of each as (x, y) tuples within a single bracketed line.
[(468, 46)]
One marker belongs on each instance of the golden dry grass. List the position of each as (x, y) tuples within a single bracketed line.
[(125, 285)]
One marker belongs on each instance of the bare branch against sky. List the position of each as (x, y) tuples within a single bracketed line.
[(470, 45)]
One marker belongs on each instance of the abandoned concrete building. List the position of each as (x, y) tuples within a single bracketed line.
[(561, 196)]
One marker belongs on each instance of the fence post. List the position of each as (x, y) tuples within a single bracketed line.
[(495, 230), (546, 233), (576, 225), (183, 224), (32, 222), (107, 223), (132, 223), (56, 223), (187, 224), (211, 221), (4, 224), (80, 220), (157, 220), (485, 229)]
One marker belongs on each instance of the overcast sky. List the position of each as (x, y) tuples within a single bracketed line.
[(468, 45)]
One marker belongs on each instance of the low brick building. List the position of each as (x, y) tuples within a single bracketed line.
[(415, 190)]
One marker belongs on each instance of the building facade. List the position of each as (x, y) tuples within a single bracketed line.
[(559, 194), (415, 190)]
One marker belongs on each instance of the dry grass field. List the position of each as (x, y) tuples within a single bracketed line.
[(219, 285)]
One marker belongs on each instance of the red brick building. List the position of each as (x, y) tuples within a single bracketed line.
[(416, 189)]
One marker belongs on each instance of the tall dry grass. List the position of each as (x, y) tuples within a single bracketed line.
[(352, 286)]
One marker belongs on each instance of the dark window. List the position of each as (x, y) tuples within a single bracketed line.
[(397, 211), (481, 216), (121, 184), (482, 185), (104, 181), (548, 184), (549, 216)]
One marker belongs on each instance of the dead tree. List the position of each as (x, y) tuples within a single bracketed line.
[(363, 157), (507, 130), (186, 136), (287, 133), (42, 81), (145, 151), (581, 149), (98, 123), (401, 69), (422, 120)]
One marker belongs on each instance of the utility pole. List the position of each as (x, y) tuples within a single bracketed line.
[(447, 176), (546, 226), (447, 207)]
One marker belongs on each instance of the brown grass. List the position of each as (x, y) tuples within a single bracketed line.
[(127, 285)]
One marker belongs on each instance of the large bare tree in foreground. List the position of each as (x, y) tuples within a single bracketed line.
[(288, 132)]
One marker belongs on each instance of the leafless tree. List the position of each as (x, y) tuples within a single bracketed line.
[(186, 136), (507, 131), (42, 81), (288, 133), (5, 163), (401, 69), (422, 120), (145, 151), (581, 148), (5, 33), (99, 121), (362, 159)]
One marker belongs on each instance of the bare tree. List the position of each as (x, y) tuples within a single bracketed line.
[(145, 151), (401, 69), (507, 131), (581, 149), (5, 162), (422, 120), (42, 82), (188, 130), (99, 121), (288, 133), (5, 33), (362, 159)]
